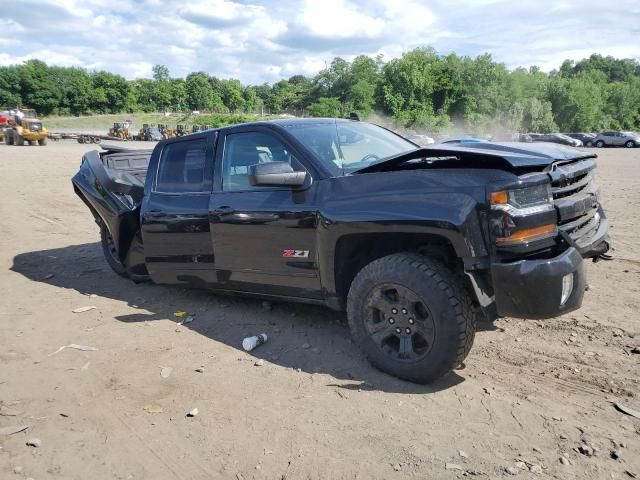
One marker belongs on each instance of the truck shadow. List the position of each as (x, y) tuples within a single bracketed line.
[(309, 338)]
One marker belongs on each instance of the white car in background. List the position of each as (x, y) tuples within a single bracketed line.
[(418, 138)]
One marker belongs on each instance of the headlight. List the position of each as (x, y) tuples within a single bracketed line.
[(523, 201), (523, 215)]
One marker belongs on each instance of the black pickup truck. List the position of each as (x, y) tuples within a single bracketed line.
[(415, 243)]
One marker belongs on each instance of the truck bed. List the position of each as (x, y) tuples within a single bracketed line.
[(127, 166)]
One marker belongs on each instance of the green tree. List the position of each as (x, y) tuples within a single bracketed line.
[(326, 107)]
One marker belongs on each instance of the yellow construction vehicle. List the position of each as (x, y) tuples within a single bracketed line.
[(28, 129), (120, 130)]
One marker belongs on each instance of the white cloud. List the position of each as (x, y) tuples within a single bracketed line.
[(337, 19), (261, 40)]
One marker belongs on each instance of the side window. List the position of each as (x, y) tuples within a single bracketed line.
[(182, 168), (241, 150)]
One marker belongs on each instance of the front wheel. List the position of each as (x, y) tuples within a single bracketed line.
[(110, 252), (599, 144), (411, 316), (630, 144), (42, 141)]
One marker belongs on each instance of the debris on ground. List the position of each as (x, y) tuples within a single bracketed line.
[(193, 413), (84, 309), (452, 466), (75, 346), (180, 314), (564, 461), (463, 454), (397, 467), (185, 320), (153, 408), (165, 372), (512, 470), (34, 442), (259, 363), (7, 412), (17, 469), (615, 454), (306, 346), (249, 343), (627, 410), (585, 449), (12, 430), (200, 369)]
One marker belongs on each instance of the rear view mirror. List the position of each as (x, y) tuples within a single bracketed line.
[(275, 174)]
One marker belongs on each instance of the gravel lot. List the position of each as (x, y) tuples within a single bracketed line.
[(532, 392)]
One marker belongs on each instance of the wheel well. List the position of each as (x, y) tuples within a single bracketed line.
[(354, 252)]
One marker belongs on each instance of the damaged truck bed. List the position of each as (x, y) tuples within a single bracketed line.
[(414, 243)]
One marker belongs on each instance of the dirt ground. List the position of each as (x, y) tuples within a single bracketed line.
[(532, 391)]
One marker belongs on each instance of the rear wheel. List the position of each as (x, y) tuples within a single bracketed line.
[(411, 316), (42, 141), (599, 144), (630, 144), (110, 252), (589, 144)]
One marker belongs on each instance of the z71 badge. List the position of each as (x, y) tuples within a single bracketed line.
[(296, 254)]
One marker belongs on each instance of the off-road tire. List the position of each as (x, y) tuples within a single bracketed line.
[(630, 144), (449, 306), (110, 254), (42, 141), (600, 144), (8, 138)]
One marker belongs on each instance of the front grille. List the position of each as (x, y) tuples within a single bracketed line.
[(575, 195)]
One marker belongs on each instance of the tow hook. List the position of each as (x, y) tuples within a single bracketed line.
[(602, 256)]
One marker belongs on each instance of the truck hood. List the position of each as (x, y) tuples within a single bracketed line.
[(517, 157)]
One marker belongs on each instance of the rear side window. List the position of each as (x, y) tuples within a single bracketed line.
[(183, 168)]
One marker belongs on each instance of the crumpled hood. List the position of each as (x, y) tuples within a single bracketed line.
[(515, 155)]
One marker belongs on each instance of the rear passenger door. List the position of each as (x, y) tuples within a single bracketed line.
[(264, 237), (175, 214)]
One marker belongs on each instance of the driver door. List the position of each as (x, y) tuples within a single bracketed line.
[(264, 237)]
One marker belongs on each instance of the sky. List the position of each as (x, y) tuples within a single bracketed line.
[(260, 41)]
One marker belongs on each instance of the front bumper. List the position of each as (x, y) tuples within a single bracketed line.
[(533, 288)]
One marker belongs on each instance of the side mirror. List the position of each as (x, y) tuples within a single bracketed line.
[(275, 174)]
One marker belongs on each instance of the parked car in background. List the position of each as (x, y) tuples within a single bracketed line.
[(465, 140), (418, 138), (555, 138), (617, 139), (585, 138)]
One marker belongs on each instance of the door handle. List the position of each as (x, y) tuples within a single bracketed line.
[(224, 210)]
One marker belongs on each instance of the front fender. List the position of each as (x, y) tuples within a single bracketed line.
[(456, 219)]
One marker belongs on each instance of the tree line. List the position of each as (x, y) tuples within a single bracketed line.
[(420, 89)]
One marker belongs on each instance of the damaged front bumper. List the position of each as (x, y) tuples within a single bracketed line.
[(541, 288)]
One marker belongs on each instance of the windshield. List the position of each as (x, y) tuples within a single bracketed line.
[(344, 147)]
